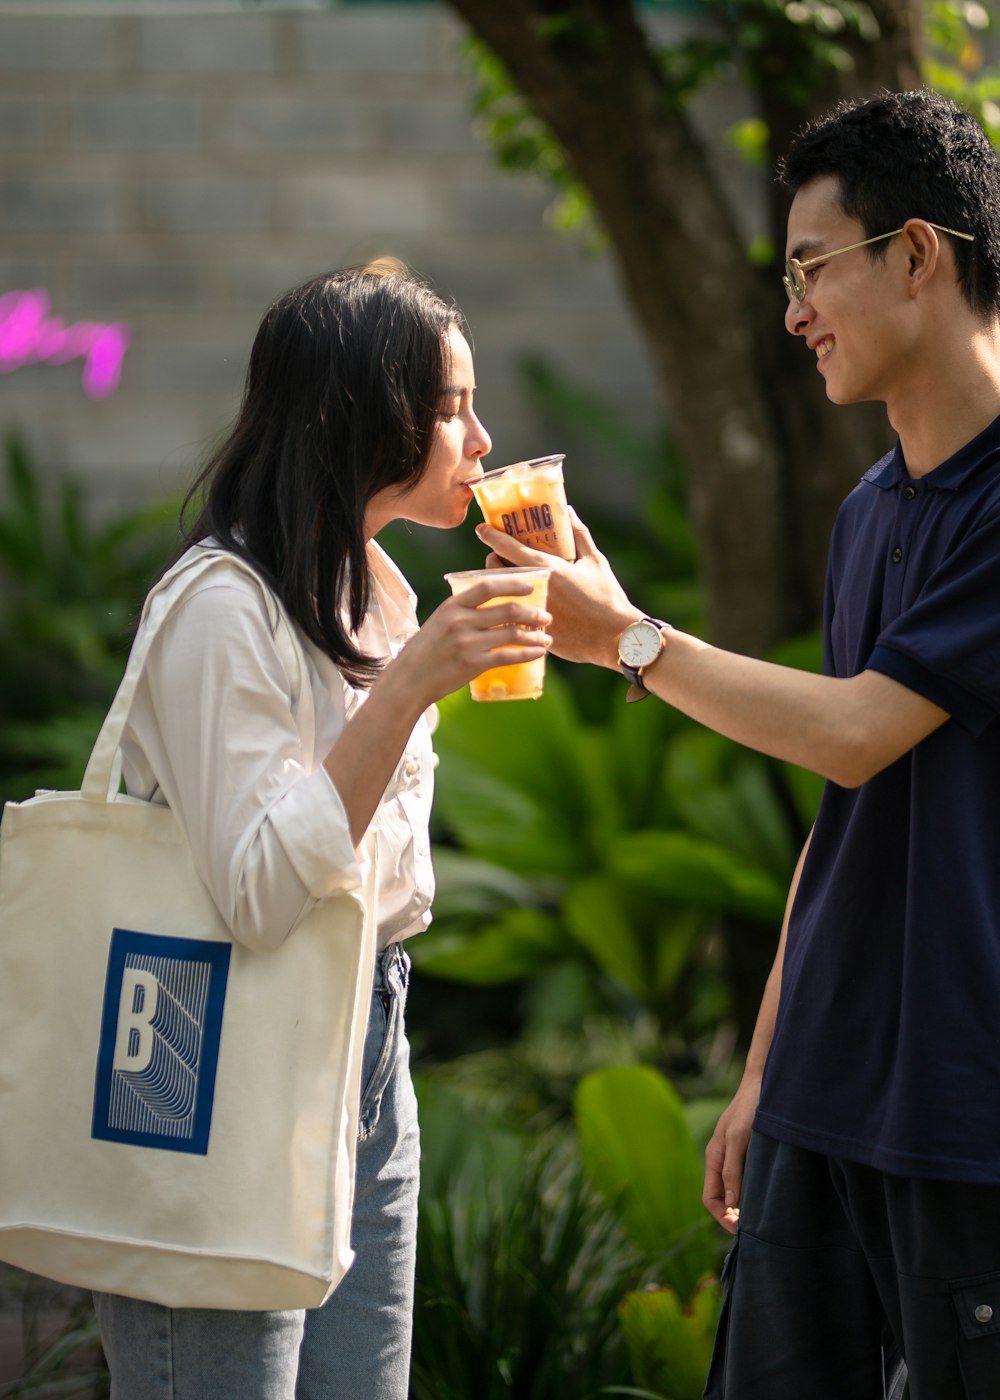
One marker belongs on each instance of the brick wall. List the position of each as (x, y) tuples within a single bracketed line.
[(174, 169)]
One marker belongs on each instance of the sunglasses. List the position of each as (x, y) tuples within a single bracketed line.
[(795, 272)]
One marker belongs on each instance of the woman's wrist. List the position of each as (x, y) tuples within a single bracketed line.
[(403, 683)]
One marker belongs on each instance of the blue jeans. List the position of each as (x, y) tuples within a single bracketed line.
[(357, 1346)]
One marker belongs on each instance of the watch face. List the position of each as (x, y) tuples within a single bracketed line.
[(640, 644)]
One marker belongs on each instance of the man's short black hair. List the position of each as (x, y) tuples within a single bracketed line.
[(905, 155)]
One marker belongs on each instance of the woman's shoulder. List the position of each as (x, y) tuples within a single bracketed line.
[(208, 566), (211, 593)]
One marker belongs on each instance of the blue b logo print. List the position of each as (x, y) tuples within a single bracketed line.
[(159, 1046)]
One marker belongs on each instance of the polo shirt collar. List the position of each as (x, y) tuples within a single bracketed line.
[(982, 451)]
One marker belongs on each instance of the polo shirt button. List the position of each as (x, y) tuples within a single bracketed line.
[(909, 492), (984, 1313), (897, 554)]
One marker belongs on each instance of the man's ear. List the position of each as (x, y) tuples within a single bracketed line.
[(922, 246)]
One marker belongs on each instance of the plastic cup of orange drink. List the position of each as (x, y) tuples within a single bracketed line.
[(528, 502), (522, 682)]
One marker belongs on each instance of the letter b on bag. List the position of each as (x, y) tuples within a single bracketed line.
[(161, 1028), (136, 1009)]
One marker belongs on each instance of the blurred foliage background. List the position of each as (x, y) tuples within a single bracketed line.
[(611, 880)]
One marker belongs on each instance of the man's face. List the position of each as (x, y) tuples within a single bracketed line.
[(852, 316)]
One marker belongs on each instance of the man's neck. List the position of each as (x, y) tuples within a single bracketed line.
[(949, 404)]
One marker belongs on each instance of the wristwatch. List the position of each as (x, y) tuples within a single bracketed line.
[(638, 647)]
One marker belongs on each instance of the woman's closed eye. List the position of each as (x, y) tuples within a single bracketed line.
[(450, 406)]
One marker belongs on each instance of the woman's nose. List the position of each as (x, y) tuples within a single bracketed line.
[(480, 440)]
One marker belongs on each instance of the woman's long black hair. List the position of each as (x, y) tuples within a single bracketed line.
[(341, 400)]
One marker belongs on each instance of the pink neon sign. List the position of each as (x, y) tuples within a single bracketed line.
[(30, 336)]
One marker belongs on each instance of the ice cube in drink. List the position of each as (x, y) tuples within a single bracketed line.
[(526, 680), (528, 502)]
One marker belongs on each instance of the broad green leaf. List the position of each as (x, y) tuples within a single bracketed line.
[(636, 741), (698, 874), (599, 919), (729, 796), (639, 1154), (451, 1154), (498, 821), (519, 943), (673, 935), (469, 889), (510, 783), (669, 1345)]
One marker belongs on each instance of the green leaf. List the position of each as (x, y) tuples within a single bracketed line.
[(495, 819), (518, 944), (730, 796), (511, 785), (698, 874), (673, 934), (472, 890), (462, 1149), (597, 916), (639, 1155), (670, 1345)]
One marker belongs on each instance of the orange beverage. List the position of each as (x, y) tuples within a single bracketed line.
[(523, 682), (528, 502)]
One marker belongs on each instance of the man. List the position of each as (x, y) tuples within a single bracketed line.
[(868, 1223)]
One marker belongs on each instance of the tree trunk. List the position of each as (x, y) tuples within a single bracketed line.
[(768, 459)]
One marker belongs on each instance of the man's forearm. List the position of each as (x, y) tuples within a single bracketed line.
[(844, 729)]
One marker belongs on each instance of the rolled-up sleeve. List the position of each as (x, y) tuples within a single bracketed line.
[(216, 727)]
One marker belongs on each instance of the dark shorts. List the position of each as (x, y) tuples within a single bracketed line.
[(839, 1272)]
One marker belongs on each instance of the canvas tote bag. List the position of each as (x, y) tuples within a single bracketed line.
[(178, 1115)]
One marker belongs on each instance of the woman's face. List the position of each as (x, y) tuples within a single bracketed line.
[(441, 497)]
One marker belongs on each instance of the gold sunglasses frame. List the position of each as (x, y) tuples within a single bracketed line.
[(795, 271)]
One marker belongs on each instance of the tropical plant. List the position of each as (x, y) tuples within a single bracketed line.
[(616, 847), (639, 1153), (519, 1266), (563, 1264), (71, 593)]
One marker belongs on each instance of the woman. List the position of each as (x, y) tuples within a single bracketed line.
[(357, 410)]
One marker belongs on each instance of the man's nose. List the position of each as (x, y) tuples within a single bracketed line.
[(797, 317)]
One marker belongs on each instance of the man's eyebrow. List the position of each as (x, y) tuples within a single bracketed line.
[(802, 251)]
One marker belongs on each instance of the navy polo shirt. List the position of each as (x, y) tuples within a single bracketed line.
[(886, 1048)]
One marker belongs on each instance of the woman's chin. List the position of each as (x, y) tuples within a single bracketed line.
[(443, 519), (450, 519)]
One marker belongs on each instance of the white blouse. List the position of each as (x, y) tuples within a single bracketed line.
[(220, 732)]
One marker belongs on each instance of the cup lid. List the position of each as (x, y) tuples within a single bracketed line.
[(504, 572), (532, 464)]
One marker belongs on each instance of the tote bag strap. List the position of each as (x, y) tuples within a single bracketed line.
[(103, 773)]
